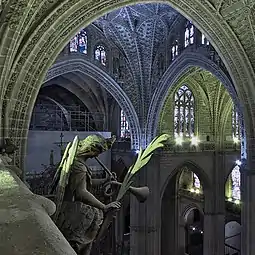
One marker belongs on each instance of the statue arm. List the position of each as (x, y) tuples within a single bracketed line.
[(84, 196)]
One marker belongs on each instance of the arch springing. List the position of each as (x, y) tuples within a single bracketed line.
[(184, 122), (100, 54), (189, 34), (124, 126), (79, 43)]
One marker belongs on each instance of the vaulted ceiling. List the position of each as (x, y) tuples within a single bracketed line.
[(35, 32)]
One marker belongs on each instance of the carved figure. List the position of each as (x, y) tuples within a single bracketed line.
[(79, 213)]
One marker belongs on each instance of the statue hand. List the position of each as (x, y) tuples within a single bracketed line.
[(112, 206), (112, 177)]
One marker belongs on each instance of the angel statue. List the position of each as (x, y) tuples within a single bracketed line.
[(79, 213)]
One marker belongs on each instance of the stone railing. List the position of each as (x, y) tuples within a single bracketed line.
[(202, 147), (26, 226)]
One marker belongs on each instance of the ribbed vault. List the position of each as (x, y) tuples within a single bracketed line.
[(37, 31)]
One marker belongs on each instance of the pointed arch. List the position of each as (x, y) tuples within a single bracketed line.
[(184, 119), (185, 61), (79, 43), (233, 183), (100, 54), (189, 34), (78, 64), (196, 169)]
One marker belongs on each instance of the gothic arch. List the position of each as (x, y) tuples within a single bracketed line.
[(189, 208), (30, 47), (195, 168), (85, 67), (170, 210), (171, 76)]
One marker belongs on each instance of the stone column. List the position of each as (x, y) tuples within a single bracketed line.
[(182, 236), (214, 212), (145, 217), (248, 205)]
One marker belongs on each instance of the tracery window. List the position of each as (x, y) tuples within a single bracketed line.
[(204, 40), (236, 182), (184, 122), (100, 54), (175, 50), (189, 34), (196, 181), (124, 126), (79, 43), (235, 124)]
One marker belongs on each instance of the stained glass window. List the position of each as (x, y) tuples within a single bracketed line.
[(196, 181), (100, 54), (79, 43), (235, 124), (175, 50), (124, 126), (204, 40), (236, 182), (184, 123), (189, 34)]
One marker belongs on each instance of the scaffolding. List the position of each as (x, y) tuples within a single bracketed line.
[(70, 118)]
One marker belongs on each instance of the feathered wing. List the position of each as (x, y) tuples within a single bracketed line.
[(64, 172), (56, 177)]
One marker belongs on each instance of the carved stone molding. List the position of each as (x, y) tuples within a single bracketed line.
[(39, 36)]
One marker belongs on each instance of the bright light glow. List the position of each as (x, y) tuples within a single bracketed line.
[(230, 199), (192, 190), (235, 139), (197, 191), (195, 141), (238, 162), (193, 228), (196, 181), (137, 151), (201, 232), (179, 140), (237, 202)]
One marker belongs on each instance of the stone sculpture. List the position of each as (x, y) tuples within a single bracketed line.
[(79, 213), (80, 216)]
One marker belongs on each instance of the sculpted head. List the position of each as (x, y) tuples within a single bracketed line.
[(93, 145)]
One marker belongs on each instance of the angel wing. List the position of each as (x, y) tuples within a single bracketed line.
[(63, 173), (58, 171)]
